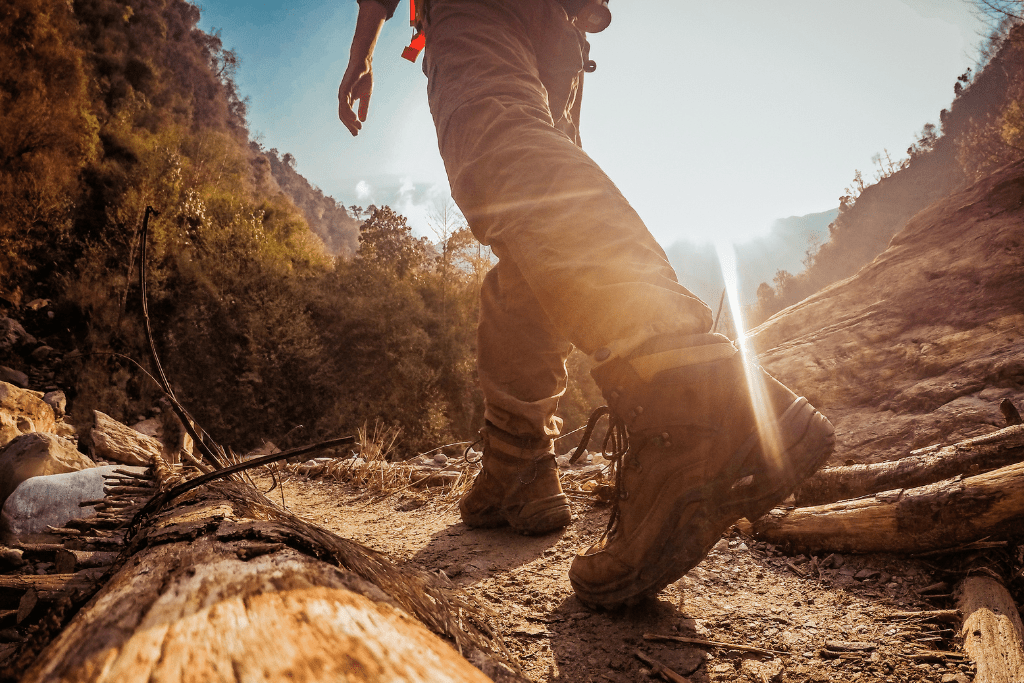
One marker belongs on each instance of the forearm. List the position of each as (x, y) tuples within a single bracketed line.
[(372, 16), (357, 83)]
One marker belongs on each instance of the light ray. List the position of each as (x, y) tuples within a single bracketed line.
[(767, 425)]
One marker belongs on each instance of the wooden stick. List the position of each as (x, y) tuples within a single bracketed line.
[(712, 643), (992, 631), (921, 467), (947, 615), (659, 669)]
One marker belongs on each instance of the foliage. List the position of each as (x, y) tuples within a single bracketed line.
[(47, 131), (261, 327)]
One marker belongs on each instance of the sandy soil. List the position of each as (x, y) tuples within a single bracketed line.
[(744, 593)]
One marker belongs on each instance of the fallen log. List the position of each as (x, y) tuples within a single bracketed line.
[(224, 586), (921, 467), (942, 515), (992, 632), (50, 586)]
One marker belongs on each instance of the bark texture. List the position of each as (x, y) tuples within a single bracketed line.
[(992, 631), (942, 515), (226, 587), (924, 466)]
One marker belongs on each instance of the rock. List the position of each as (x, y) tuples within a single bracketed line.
[(34, 455), (52, 500), (755, 670), (562, 461), (112, 440), (955, 678), (865, 574), (441, 459), (41, 353), (12, 376), (22, 412), (12, 334), (153, 427), (66, 431), (57, 401), (12, 557), (900, 353), (37, 304)]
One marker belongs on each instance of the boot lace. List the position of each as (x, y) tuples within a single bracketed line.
[(614, 447)]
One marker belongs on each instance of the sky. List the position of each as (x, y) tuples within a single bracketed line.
[(715, 119)]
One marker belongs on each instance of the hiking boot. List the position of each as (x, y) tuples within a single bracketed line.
[(518, 486), (694, 460)]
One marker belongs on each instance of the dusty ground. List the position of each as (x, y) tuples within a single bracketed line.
[(744, 593)]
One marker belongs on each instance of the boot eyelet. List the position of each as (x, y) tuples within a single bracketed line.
[(639, 410), (623, 495)]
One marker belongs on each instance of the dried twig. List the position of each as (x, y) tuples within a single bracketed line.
[(712, 643), (659, 669), (156, 503)]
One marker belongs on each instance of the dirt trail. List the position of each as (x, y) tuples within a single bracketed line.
[(743, 593)]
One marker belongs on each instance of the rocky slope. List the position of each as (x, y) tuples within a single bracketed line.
[(923, 343)]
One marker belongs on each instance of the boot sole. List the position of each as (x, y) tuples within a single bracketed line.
[(536, 517), (812, 440)]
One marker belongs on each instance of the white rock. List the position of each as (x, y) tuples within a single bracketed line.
[(34, 455), (52, 500), (562, 461)]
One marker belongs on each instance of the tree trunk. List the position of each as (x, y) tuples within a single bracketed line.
[(924, 466), (992, 631), (226, 587), (942, 515)]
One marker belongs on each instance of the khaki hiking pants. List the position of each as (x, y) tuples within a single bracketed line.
[(576, 265)]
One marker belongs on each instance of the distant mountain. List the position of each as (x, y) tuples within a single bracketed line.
[(327, 218), (783, 248)]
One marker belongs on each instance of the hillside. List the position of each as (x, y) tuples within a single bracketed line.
[(977, 133), (922, 344)]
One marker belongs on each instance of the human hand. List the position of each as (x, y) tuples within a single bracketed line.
[(356, 86)]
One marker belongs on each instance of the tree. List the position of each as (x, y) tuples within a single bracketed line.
[(386, 241)]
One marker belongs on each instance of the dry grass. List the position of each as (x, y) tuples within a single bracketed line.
[(373, 473)]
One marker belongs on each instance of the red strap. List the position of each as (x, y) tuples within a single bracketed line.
[(412, 51)]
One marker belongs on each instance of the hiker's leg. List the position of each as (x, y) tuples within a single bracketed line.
[(521, 357), (529, 191)]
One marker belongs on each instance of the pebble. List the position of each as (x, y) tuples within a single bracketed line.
[(441, 459), (865, 574)]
